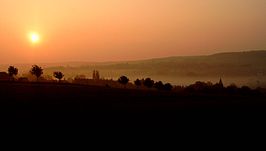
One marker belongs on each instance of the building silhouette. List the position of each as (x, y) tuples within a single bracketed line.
[(4, 76)]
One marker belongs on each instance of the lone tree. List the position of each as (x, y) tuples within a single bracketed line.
[(123, 80), (148, 82), (12, 71), (137, 82), (58, 75), (159, 85), (36, 71)]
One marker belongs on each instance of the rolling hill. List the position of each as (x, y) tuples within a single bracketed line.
[(241, 68)]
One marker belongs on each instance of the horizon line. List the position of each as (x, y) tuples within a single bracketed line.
[(132, 60)]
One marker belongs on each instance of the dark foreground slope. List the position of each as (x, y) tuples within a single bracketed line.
[(68, 104)]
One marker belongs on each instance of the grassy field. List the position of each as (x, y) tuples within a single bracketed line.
[(50, 103)]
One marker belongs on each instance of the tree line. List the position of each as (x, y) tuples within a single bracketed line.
[(148, 82), (37, 71), (197, 87)]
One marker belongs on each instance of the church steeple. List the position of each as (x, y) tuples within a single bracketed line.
[(221, 83)]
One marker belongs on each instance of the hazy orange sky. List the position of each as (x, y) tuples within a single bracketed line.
[(112, 30)]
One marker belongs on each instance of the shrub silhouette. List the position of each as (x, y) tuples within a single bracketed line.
[(123, 80), (200, 86), (159, 85), (148, 82), (36, 71), (168, 87), (245, 90), (58, 75), (12, 71), (137, 82), (80, 77), (232, 88)]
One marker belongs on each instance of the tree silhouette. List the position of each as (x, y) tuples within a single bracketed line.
[(245, 90), (58, 75), (137, 82), (159, 85), (148, 82), (36, 71), (168, 87), (12, 71), (232, 88), (123, 80)]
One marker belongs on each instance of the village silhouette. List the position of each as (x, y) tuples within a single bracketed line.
[(98, 101), (123, 82)]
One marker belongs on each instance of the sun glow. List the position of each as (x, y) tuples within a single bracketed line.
[(34, 37)]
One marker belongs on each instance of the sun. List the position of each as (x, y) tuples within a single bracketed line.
[(34, 37)]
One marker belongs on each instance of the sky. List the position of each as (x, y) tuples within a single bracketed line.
[(116, 30)]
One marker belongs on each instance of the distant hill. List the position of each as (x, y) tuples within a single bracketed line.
[(243, 68)]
